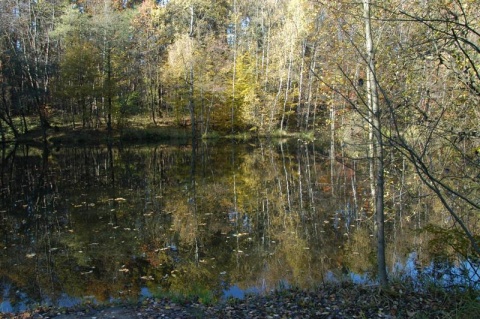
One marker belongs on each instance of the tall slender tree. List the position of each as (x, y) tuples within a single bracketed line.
[(376, 141)]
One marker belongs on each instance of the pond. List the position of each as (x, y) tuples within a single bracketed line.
[(96, 224)]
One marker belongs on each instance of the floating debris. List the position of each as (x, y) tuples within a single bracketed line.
[(149, 278), (239, 234)]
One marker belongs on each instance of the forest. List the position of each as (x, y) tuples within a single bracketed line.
[(394, 81)]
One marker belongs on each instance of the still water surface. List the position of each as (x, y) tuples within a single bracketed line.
[(106, 223)]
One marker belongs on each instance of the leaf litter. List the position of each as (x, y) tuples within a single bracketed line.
[(331, 301)]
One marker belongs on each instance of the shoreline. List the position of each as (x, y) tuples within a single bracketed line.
[(67, 136), (345, 300)]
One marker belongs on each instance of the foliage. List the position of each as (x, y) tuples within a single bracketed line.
[(454, 239), (291, 68)]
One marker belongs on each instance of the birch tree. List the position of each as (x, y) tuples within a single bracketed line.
[(376, 142)]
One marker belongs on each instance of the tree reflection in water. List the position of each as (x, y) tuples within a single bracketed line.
[(109, 223)]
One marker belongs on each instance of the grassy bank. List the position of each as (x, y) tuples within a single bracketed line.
[(138, 131)]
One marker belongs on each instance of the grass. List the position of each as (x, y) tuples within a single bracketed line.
[(194, 294), (469, 307), (92, 136), (240, 136), (32, 126), (140, 129), (153, 134), (212, 135)]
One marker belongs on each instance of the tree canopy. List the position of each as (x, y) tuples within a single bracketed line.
[(259, 66)]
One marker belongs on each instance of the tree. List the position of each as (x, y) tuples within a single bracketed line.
[(198, 27), (26, 35), (7, 102), (445, 122), (376, 142), (151, 40), (79, 78)]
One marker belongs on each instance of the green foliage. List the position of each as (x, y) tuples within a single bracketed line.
[(211, 135), (127, 106), (191, 283), (79, 74), (447, 244), (247, 102), (257, 69), (196, 294), (308, 136), (154, 134)]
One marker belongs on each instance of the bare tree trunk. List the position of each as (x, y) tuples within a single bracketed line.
[(300, 109), (332, 147), (190, 81), (234, 75), (311, 77), (377, 146), (283, 124)]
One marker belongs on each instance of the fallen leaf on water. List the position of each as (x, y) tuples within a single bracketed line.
[(146, 278)]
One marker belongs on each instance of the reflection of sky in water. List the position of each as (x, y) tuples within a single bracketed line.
[(67, 301), (24, 303), (6, 305), (233, 292), (465, 274), (360, 279), (145, 292), (238, 293), (164, 224)]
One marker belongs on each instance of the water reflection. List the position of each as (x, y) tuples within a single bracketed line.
[(462, 274), (104, 223)]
